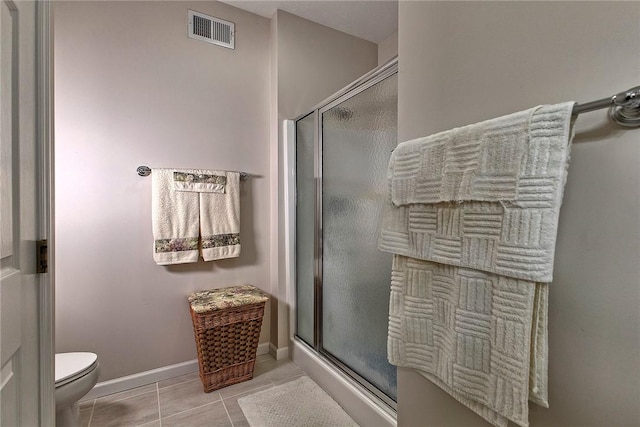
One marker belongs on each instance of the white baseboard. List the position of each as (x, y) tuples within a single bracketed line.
[(142, 378), (149, 377), (278, 353)]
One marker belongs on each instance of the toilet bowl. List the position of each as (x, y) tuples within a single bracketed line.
[(76, 374)]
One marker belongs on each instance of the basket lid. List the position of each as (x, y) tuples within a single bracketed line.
[(234, 296)]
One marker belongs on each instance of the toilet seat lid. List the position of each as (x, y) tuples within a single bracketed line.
[(72, 365)]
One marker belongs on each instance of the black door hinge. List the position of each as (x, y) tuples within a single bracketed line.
[(42, 247)]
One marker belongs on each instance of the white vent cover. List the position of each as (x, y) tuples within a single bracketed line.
[(211, 30)]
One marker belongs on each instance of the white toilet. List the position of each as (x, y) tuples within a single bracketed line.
[(76, 374)]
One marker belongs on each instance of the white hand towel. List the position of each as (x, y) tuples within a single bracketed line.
[(220, 220), (174, 220), (195, 209)]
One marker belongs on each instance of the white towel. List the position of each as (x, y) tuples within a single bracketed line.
[(192, 209), (220, 220), (479, 336), (175, 222), (472, 221), (508, 223)]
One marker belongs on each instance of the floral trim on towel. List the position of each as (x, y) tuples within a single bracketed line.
[(176, 245), (234, 296), (220, 240), (199, 178)]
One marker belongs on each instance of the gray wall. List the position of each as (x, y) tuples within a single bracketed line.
[(315, 61), (388, 49), (465, 62), (132, 89)]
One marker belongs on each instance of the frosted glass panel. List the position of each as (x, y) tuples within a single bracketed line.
[(357, 138), (305, 227)]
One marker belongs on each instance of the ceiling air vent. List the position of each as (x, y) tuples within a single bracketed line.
[(211, 30)]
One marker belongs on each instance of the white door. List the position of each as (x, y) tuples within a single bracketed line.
[(24, 351)]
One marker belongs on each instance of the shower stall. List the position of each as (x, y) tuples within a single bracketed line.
[(338, 157)]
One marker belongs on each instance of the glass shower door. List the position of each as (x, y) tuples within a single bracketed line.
[(342, 280), (357, 136)]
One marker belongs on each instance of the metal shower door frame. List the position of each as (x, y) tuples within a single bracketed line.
[(365, 82)]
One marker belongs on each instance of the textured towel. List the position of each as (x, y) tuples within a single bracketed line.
[(220, 220), (175, 222), (472, 222), (479, 336), (508, 224), (194, 209)]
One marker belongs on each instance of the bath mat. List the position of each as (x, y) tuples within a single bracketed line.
[(297, 403)]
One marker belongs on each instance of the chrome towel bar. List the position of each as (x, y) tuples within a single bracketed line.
[(624, 107), (146, 171)]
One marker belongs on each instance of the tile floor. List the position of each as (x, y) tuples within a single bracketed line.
[(181, 402)]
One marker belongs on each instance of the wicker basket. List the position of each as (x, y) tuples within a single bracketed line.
[(226, 324)]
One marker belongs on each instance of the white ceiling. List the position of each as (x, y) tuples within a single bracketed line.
[(372, 20)]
